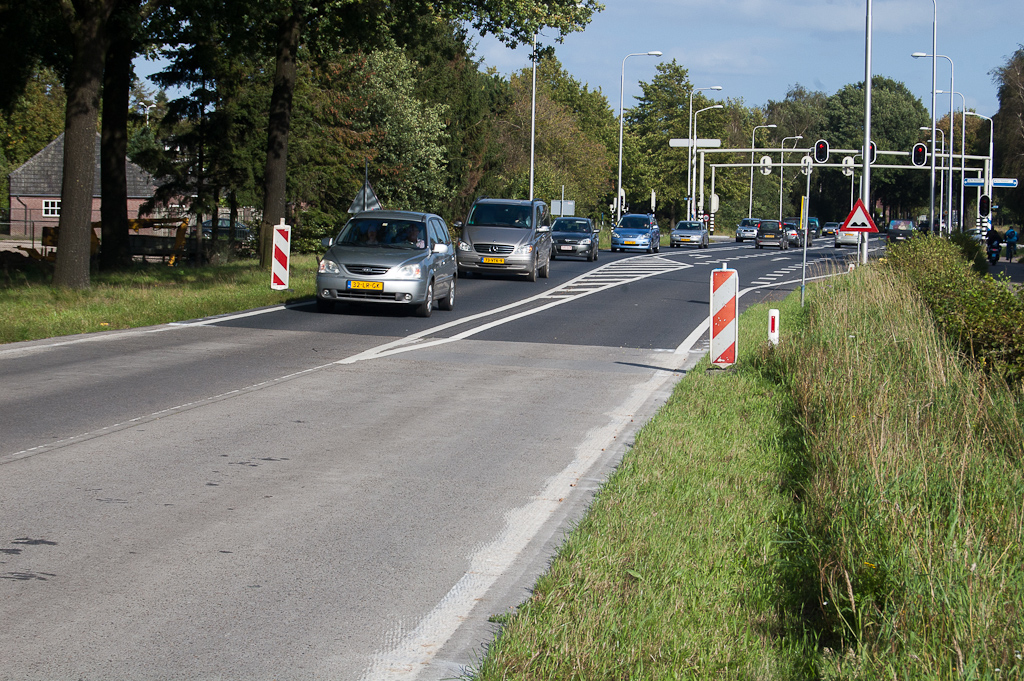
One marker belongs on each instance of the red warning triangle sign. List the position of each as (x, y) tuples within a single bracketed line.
[(858, 220)]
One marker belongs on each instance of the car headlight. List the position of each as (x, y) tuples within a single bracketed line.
[(328, 267), (464, 246), (524, 249), (615, 235), (584, 242), (407, 272)]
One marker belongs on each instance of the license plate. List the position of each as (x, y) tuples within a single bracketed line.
[(630, 243), (493, 261), (366, 285), (769, 236), (565, 248)]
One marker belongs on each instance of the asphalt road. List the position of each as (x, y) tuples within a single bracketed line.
[(292, 495)]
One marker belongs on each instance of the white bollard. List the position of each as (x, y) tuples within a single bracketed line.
[(282, 254), (725, 284), (773, 326)]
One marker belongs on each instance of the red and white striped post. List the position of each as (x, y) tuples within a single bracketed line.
[(282, 254), (725, 284)]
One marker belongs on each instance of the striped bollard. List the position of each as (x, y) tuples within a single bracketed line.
[(282, 253), (773, 326), (725, 285)]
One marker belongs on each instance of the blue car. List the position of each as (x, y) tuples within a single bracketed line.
[(637, 232)]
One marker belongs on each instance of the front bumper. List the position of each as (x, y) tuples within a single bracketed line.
[(678, 240), (476, 262), (345, 287), (572, 249), (631, 244)]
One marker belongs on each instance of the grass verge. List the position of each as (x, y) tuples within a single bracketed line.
[(845, 506), (145, 295)]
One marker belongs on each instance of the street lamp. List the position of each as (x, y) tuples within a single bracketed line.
[(693, 140), (991, 152), (750, 203), (143, 107), (782, 161), (935, 23), (963, 149), (689, 154), (951, 138), (942, 187), (622, 87)]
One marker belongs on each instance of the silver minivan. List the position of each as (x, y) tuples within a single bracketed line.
[(390, 257), (511, 236)]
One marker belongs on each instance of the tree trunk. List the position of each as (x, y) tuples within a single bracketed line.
[(275, 174), (115, 253), (87, 21)]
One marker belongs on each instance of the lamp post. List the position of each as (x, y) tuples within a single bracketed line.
[(935, 21), (991, 152), (146, 108), (533, 115), (750, 202), (693, 141), (963, 149), (622, 87), (689, 154), (942, 187), (782, 161), (949, 209)]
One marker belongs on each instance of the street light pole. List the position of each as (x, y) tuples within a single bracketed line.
[(942, 186), (622, 87), (991, 152), (533, 113), (689, 153), (963, 150), (750, 202), (949, 209), (782, 168), (693, 141)]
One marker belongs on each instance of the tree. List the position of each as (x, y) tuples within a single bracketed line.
[(1009, 126)]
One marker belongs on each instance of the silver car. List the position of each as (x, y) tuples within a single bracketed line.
[(390, 257), (747, 229), (508, 236), (690, 232)]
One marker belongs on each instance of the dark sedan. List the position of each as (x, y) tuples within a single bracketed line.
[(574, 236)]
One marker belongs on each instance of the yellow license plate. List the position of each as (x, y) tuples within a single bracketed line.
[(366, 285), (494, 261), (630, 243), (772, 236)]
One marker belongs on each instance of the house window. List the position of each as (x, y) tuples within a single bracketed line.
[(51, 209)]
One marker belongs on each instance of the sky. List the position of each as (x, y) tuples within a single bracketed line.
[(758, 49)]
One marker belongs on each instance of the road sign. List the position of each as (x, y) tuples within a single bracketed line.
[(974, 181), (1004, 182), (858, 220), (725, 285), (700, 142), (848, 165), (806, 164), (766, 165)]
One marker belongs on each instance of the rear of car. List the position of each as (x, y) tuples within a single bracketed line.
[(793, 231), (900, 230), (636, 232), (845, 237), (510, 236), (747, 229), (771, 233), (690, 232), (389, 257)]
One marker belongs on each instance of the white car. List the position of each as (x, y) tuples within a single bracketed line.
[(845, 237)]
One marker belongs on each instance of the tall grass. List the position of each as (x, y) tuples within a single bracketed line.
[(905, 559), (142, 296)]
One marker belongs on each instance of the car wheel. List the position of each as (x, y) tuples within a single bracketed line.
[(532, 274), (427, 306), (448, 302), (324, 305), (545, 271), (596, 254)]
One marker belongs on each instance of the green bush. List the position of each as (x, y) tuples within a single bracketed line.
[(983, 316)]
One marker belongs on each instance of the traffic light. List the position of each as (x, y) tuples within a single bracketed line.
[(872, 152), (821, 151), (984, 205), (919, 155)]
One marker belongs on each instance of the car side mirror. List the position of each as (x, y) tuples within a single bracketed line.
[(327, 242), (543, 228), (441, 248), (457, 224)]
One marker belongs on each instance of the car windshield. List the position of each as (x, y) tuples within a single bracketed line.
[(500, 215), (689, 226), (571, 225), (634, 222), (383, 233)]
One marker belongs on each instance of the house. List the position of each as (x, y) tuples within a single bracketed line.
[(35, 190)]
